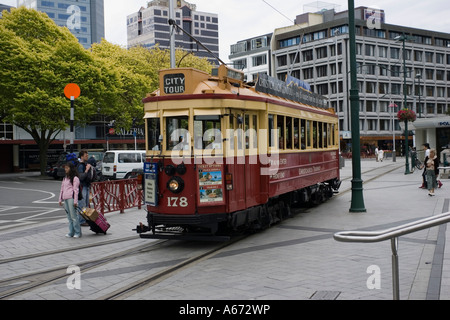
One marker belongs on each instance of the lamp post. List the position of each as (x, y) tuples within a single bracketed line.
[(357, 202), (419, 107), (394, 152), (403, 39), (72, 91)]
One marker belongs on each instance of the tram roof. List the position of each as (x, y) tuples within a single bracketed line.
[(227, 83)]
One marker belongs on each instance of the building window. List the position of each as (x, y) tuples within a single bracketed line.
[(396, 88), (429, 56), (322, 71), (382, 52), (371, 106), (395, 53), (240, 64), (384, 125), (370, 50), (307, 55), (308, 73), (417, 55), (395, 71), (372, 125), (371, 87), (262, 60), (259, 43), (282, 61), (321, 52)]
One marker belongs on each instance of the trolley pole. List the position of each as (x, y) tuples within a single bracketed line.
[(172, 34), (357, 203)]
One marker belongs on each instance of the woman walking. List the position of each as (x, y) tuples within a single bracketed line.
[(69, 198), (432, 170)]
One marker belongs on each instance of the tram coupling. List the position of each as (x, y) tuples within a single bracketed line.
[(141, 228)]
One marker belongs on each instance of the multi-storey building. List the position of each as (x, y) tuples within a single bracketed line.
[(252, 56), (84, 18), (316, 50), (319, 43), (149, 26)]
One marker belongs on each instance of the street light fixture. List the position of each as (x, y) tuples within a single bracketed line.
[(403, 38)]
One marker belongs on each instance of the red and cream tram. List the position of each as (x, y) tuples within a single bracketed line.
[(223, 155)]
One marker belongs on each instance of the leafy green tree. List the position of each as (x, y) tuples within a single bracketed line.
[(138, 68), (37, 60)]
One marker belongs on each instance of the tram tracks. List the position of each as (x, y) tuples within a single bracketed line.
[(48, 279), (150, 280), (14, 286), (63, 250)]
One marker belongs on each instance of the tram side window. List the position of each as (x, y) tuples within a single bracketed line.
[(320, 135), (230, 136), (314, 135), (255, 132), (296, 134), (281, 131), (333, 138), (288, 133), (153, 132), (325, 135), (207, 132), (308, 133), (271, 128), (177, 132), (246, 131), (303, 134)]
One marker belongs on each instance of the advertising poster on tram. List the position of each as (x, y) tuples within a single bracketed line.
[(210, 185)]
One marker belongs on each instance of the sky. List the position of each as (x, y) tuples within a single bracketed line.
[(243, 19)]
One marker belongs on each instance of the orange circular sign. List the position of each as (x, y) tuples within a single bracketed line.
[(72, 90)]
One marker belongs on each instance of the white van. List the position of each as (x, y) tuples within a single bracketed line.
[(119, 164)]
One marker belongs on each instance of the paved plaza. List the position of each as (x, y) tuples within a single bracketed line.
[(297, 259)]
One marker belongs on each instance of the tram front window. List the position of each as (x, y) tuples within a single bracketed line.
[(153, 130), (177, 133), (207, 132)]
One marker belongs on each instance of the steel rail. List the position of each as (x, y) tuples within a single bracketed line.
[(393, 234)]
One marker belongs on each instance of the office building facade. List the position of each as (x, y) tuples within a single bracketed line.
[(84, 18), (316, 50), (252, 56), (149, 27)]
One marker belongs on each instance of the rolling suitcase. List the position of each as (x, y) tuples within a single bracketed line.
[(100, 225)]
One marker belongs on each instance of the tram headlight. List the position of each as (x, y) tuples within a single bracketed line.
[(175, 184)]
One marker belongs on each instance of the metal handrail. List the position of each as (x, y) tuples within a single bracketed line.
[(393, 234)]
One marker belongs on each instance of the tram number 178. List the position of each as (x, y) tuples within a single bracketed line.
[(177, 202)]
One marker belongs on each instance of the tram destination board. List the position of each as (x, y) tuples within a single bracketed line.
[(174, 83), (273, 86), (151, 183)]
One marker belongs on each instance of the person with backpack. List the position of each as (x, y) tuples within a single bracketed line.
[(68, 197), (85, 176)]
